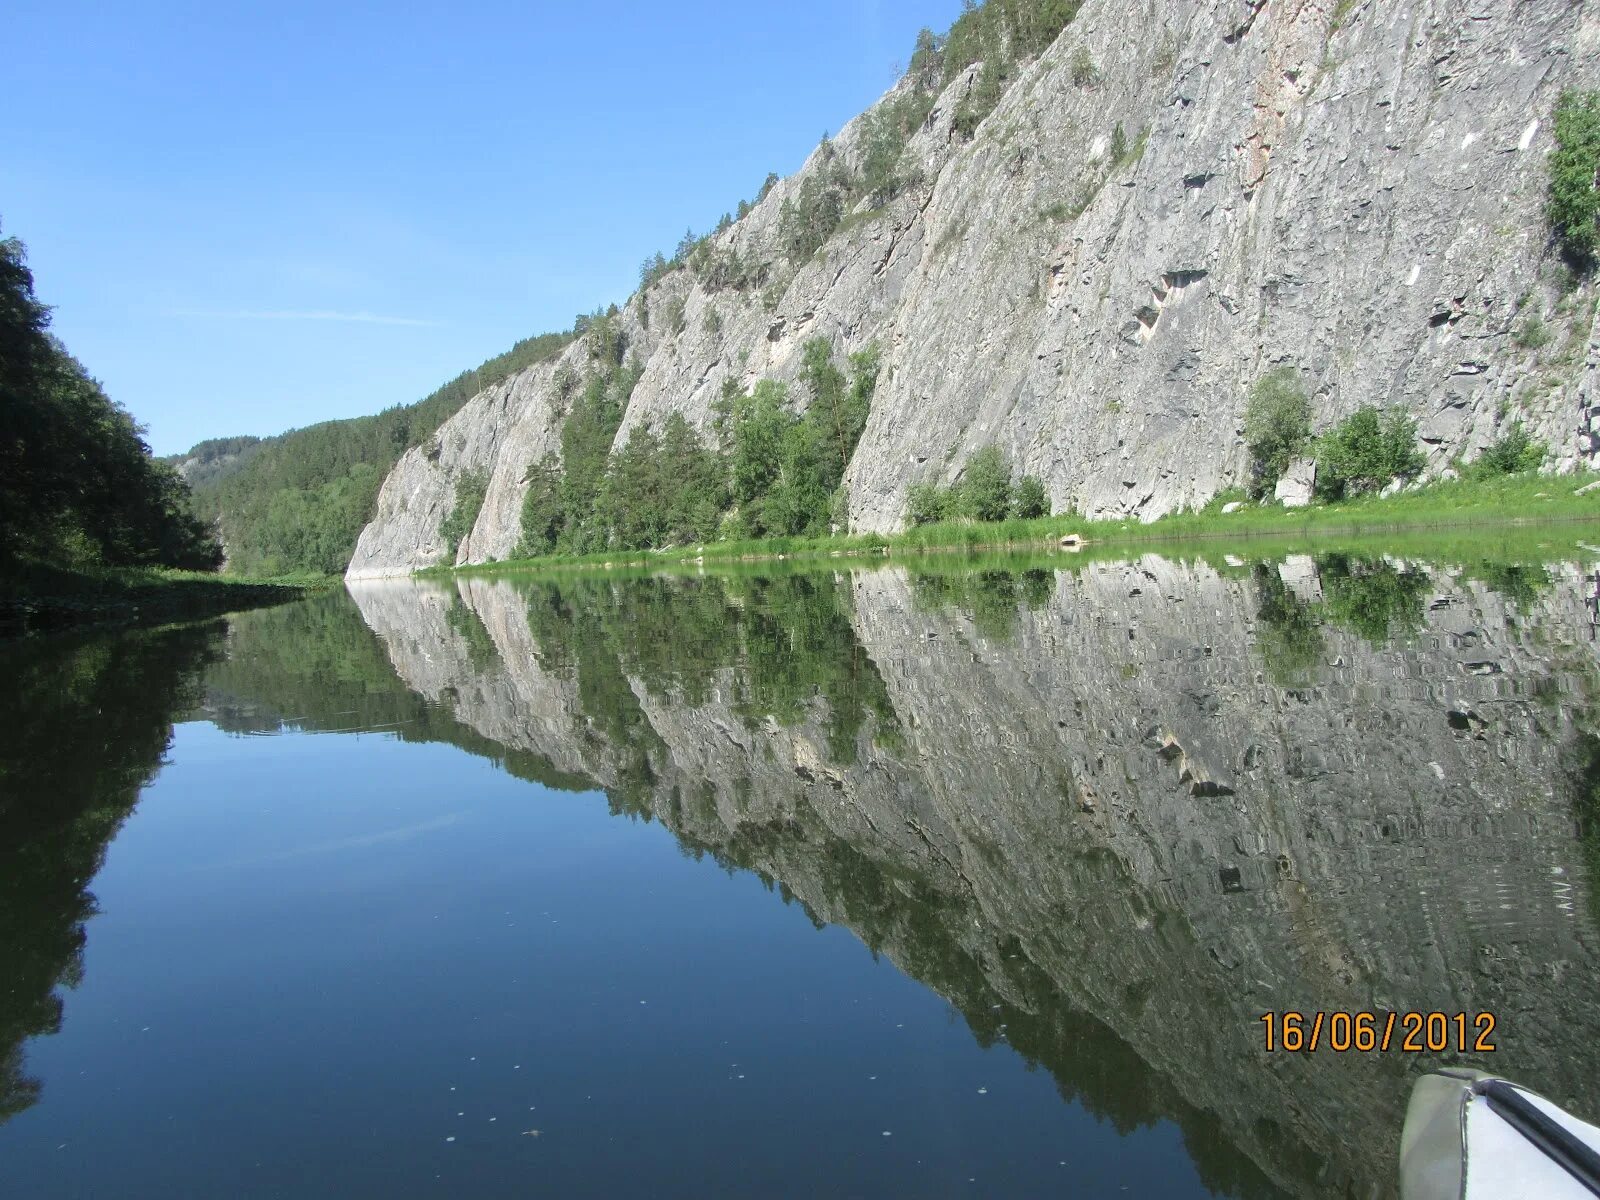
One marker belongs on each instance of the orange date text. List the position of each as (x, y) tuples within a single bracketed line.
[(1368, 1032)]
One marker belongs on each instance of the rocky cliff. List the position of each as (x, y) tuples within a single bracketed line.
[(1171, 199), (1113, 814)]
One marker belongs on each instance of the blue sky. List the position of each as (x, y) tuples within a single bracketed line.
[(251, 217)]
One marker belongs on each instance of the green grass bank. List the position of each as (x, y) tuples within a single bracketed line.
[(1508, 502)]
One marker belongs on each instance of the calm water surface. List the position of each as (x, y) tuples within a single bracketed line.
[(970, 882)]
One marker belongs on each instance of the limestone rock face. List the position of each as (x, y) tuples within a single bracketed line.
[(1356, 191)]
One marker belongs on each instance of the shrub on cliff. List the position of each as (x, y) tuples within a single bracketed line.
[(928, 504), (985, 493), (470, 490), (1574, 202), (808, 220)]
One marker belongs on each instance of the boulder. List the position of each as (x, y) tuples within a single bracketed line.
[(1298, 484)]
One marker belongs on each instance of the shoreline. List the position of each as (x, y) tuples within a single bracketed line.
[(1508, 503), (48, 600)]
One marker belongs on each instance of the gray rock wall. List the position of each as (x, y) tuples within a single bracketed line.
[(1363, 202)]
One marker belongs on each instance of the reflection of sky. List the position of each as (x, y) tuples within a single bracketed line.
[(314, 952)]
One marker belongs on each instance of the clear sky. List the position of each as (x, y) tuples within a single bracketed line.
[(256, 216)]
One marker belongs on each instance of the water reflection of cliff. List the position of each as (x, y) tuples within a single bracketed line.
[(86, 722), (1134, 806)]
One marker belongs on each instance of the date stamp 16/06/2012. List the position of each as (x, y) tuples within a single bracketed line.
[(1376, 1032)]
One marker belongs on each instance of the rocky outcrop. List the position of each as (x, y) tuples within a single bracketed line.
[(1158, 798), (502, 431), (1355, 189), (1297, 485)]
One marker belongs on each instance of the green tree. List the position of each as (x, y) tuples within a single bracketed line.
[(1277, 422), (586, 438), (761, 422), (1365, 451), (1513, 453), (986, 486), (470, 490), (1119, 145), (808, 220), (1574, 203), (78, 485), (1031, 499), (653, 270), (836, 419), (632, 502), (544, 514), (1084, 73), (927, 64), (928, 504), (698, 482), (884, 145), (1003, 35), (798, 504)]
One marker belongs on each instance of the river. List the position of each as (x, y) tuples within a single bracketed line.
[(935, 881)]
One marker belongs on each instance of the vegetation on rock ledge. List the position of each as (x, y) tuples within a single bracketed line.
[(1574, 204)]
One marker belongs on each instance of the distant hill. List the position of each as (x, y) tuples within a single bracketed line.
[(297, 502), (215, 458)]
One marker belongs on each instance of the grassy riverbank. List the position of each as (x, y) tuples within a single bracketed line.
[(1506, 502), (37, 597)]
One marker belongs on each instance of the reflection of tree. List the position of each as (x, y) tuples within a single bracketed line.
[(993, 597), (463, 618), (1109, 1026), (316, 665), (1373, 597), (112, 700), (1369, 596), (786, 643), (1519, 583), (1288, 631)]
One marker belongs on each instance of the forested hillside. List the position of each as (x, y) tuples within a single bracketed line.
[(208, 461), (78, 487), (297, 502)]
